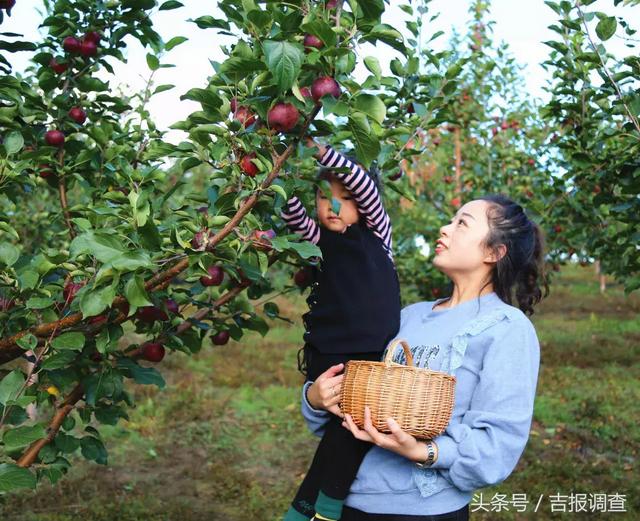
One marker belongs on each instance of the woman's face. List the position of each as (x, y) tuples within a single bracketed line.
[(460, 249)]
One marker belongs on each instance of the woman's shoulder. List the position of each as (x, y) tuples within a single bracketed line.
[(415, 309)]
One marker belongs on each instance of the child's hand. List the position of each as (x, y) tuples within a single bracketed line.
[(324, 393), (311, 143)]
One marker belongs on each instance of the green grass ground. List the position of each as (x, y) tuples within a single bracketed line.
[(225, 440)]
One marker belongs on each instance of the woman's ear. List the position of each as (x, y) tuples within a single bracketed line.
[(495, 254)]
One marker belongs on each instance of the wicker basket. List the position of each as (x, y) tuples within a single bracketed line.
[(420, 400)]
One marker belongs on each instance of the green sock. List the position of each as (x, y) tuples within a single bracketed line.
[(328, 507), (293, 515)]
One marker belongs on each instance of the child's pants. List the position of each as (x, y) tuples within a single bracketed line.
[(339, 454)]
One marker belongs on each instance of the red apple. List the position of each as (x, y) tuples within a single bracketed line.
[(410, 108), (283, 117), (7, 4), (215, 278), (6, 303), (248, 166), (302, 278), (306, 93), (323, 86), (98, 320), (92, 36), (331, 4), (262, 239), (233, 104), (312, 42), (557, 228), (123, 308), (448, 179), (244, 116), (456, 202), (531, 162), (58, 68), (153, 351), (172, 306), (70, 289), (597, 189), (78, 115), (396, 176), (504, 125), (495, 131), (220, 338), (201, 239), (149, 314), (88, 48), (71, 44), (46, 171), (55, 138)]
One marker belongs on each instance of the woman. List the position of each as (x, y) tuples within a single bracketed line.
[(492, 252)]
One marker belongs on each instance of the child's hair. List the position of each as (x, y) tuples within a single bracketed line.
[(327, 174)]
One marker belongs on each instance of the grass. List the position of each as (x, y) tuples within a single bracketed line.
[(225, 440)]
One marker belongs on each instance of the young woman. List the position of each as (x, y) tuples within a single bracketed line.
[(493, 253)]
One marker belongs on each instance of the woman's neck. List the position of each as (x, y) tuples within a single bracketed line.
[(464, 291)]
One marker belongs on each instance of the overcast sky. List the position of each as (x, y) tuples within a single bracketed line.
[(522, 25)]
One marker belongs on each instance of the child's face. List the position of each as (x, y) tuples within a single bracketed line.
[(348, 208)]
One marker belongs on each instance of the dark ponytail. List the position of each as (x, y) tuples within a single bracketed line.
[(520, 272)]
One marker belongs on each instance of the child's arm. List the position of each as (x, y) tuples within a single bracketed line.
[(364, 192), (299, 222)]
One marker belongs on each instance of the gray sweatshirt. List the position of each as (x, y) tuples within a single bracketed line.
[(493, 351)]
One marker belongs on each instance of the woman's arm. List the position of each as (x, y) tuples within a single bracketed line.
[(321, 398), (295, 215), (485, 447)]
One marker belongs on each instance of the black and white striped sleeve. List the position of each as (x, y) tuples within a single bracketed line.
[(364, 192), (295, 215)]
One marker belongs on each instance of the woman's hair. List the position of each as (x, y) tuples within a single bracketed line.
[(520, 271)]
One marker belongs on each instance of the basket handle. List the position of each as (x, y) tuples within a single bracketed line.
[(392, 349)]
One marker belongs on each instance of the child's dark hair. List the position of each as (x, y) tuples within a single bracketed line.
[(326, 174), (521, 270)]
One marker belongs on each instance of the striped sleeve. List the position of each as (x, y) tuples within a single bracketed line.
[(364, 192), (295, 215)]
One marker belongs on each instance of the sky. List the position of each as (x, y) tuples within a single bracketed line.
[(522, 24)]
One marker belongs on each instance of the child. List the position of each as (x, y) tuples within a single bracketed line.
[(354, 311)]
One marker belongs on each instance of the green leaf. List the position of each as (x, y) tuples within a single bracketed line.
[(59, 360), (39, 303), (322, 30), (135, 292), (372, 63), (209, 22), (371, 105), (13, 477), (367, 145), (174, 42), (153, 62), (22, 436), (139, 374), (13, 142), (371, 9), (74, 341), (9, 254), (606, 27), (305, 250), (102, 246), (284, 60), (170, 4), (95, 301), (241, 67), (10, 386), (93, 449), (28, 341)]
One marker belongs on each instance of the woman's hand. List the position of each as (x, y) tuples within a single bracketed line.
[(324, 393), (398, 441)]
